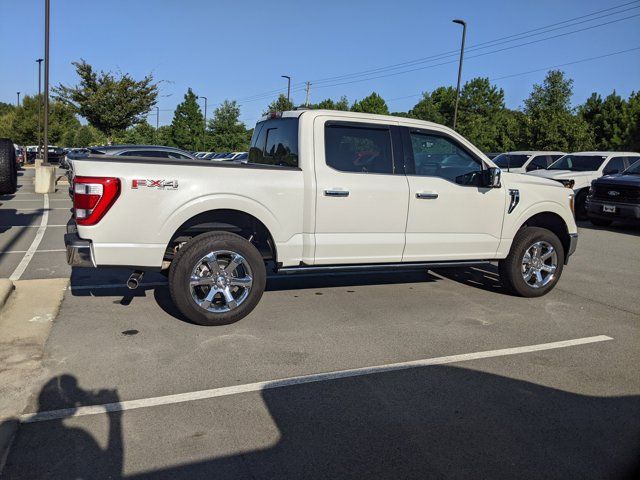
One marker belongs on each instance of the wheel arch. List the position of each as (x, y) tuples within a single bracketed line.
[(553, 222), (225, 220)]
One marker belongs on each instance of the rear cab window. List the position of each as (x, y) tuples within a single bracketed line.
[(358, 148), (275, 143)]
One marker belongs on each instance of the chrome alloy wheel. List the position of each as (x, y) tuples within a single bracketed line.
[(221, 281), (539, 264)]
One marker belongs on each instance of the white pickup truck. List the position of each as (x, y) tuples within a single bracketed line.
[(321, 191)]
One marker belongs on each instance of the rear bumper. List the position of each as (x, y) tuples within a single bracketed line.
[(79, 250), (624, 211)]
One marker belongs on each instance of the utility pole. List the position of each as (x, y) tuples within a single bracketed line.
[(204, 127), (39, 62), (306, 101), (288, 87), (18, 104), (157, 123), (46, 81), (464, 34)]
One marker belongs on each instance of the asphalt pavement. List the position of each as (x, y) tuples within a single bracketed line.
[(410, 374)]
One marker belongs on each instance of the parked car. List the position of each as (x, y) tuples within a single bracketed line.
[(21, 156), (526, 161), (615, 198), (492, 155), (322, 191), (578, 170)]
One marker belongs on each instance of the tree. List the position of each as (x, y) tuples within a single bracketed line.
[(480, 108), (329, 104), (6, 108), (632, 136), (110, 102), (164, 136), (374, 103), (551, 123), (86, 136), (24, 125), (437, 106), (140, 134), (282, 104), (187, 124), (608, 120), (226, 131)]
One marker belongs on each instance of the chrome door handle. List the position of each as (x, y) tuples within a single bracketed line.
[(427, 196), (336, 193)]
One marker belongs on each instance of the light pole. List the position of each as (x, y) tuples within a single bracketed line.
[(204, 128), (18, 104), (39, 62), (464, 34), (155, 136), (288, 87), (46, 82)]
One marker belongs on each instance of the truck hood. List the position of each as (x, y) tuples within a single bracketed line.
[(561, 174), (620, 179), (517, 178)]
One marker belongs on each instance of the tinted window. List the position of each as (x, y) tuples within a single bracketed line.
[(438, 156), (361, 149), (506, 160), (538, 163), (578, 163), (633, 169), (553, 158), (275, 142), (615, 165)]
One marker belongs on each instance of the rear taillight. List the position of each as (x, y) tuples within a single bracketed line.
[(93, 197)]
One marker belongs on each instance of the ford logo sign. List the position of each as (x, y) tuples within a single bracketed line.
[(613, 193)]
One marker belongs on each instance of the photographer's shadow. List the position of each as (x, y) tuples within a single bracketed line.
[(57, 440)]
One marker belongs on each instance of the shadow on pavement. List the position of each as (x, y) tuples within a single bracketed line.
[(615, 227), (485, 277), (430, 422)]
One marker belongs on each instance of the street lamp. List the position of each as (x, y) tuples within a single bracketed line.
[(204, 128), (39, 62), (18, 104), (464, 34), (288, 86), (46, 81)]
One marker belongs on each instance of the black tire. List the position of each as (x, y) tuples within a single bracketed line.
[(511, 268), (581, 204), (190, 256), (8, 169), (600, 222)]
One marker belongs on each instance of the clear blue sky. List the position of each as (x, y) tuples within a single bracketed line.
[(237, 49)]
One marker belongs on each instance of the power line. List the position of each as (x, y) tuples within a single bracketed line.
[(487, 44)]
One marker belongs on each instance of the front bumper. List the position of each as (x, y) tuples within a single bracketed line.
[(79, 252), (624, 211)]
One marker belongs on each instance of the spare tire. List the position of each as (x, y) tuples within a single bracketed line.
[(8, 170)]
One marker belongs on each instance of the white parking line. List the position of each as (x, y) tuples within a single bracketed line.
[(24, 263), (300, 380), (36, 251), (30, 226)]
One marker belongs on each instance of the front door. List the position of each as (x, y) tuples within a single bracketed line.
[(361, 201), (450, 217)]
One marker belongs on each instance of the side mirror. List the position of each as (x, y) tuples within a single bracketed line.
[(491, 177)]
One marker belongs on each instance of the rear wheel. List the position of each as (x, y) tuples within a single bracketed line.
[(600, 222), (217, 278), (534, 264), (8, 168)]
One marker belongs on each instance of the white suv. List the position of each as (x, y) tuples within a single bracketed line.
[(526, 161), (578, 170)]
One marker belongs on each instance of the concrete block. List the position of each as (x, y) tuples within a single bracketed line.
[(38, 162), (45, 179)]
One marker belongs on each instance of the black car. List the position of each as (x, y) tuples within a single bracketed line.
[(615, 198)]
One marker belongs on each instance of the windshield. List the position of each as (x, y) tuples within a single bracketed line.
[(633, 169), (507, 160), (578, 163)]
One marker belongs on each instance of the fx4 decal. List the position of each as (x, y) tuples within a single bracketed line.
[(159, 184)]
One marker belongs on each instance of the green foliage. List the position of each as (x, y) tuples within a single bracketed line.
[(87, 136), (329, 104), (187, 124), (632, 136), (551, 124), (22, 122), (226, 132), (140, 134), (111, 103), (164, 136), (6, 108), (609, 120), (437, 106), (374, 103), (279, 105)]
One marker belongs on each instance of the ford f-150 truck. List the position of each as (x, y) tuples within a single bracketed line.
[(321, 191)]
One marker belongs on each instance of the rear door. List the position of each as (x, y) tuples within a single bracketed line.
[(450, 217), (362, 194)]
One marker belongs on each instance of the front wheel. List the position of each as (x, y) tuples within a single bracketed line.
[(534, 264), (217, 278)]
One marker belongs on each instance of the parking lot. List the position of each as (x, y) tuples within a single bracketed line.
[(409, 374)]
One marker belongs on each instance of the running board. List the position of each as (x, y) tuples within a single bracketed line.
[(379, 266)]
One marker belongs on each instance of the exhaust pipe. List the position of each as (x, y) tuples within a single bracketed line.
[(135, 279)]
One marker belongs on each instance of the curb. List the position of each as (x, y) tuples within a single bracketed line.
[(6, 287)]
